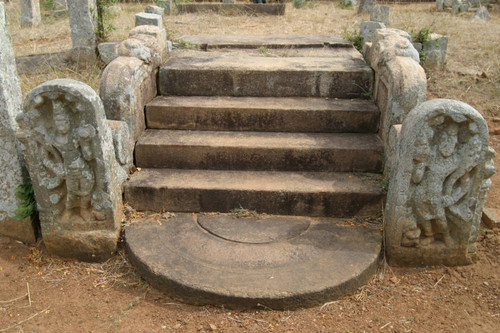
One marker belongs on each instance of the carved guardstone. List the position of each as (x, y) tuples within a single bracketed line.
[(438, 186), (71, 160)]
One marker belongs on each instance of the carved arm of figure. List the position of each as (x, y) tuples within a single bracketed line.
[(85, 133)]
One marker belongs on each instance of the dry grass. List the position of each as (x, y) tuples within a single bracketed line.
[(472, 44)]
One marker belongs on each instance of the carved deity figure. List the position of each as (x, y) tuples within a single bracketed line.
[(75, 148), (441, 179)]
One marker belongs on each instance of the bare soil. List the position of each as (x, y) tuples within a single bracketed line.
[(40, 293)]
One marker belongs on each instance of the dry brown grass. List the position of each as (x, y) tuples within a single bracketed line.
[(472, 44)]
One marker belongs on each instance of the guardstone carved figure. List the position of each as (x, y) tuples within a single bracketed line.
[(438, 184), (71, 160)]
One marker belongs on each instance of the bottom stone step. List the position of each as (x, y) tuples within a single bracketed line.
[(272, 192), (278, 262)]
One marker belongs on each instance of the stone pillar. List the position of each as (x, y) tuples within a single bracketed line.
[(438, 185), (11, 174), (366, 5), (71, 159), (380, 13), (30, 12), (82, 23)]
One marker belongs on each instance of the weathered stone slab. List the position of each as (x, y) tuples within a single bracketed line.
[(71, 160), (380, 13), (235, 9), (81, 21), (148, 19), (10, 159), (30, 12), (438, 185)]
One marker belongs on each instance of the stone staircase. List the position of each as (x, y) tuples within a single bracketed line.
[(276, 125)]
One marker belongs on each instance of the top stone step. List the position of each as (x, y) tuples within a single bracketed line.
[(205, 41)]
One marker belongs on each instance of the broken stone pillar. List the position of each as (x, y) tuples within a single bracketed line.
[(380, 13), (11, 174), (435, 51), (70, 156), (82, 23), (30, 12), (366, 5), (438, 185)]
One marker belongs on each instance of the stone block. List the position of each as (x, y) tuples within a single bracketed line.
[(438, 185), (435, 50), (150, 9), (30, 12), (380, 13), (482, 14), (491, 217), (366, 5), (10, 156), (228, 1), (108, 51), (148, 19), (83, 37), (147, 43), (69, 152), (368, 30)]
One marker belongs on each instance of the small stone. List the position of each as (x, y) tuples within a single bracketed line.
[(213, 327), (491, 217), (177, 326), (148, 19), (482, 14), (155, 10)]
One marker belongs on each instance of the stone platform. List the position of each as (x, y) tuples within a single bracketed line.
[(279, 262)]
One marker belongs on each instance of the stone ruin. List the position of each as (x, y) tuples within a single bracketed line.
[(439, 180), (70, 155), (437, 157)]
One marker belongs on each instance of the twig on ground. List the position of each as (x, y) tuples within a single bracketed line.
[(327, 304), (29, 294), (23, 321), (385, 325), (13, 300), (435, 284)]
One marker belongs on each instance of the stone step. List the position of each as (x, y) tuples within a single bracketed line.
[(275, 114), (254, 41), (284, 193), (275, 262), (228, 150), (241, 74)]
